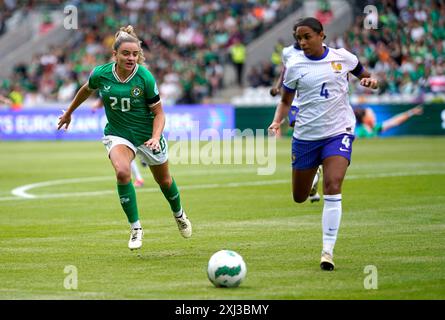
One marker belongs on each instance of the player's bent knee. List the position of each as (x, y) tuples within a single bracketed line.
[(332, 187), (123, 176), (298, 198), (164, 182)]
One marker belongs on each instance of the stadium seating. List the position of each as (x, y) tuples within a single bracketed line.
[(185, 43), (409, 64)]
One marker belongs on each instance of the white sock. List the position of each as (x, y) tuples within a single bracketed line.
[(136, 225), (331, 221), (135, 170), (178, 214)]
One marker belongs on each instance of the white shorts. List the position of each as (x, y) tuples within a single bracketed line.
[(148, 156)]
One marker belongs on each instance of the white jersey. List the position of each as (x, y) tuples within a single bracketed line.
[(287, 56), (323, 93), (288, 53)]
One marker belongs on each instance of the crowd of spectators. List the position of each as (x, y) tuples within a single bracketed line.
[(186, 45), (406, 52)]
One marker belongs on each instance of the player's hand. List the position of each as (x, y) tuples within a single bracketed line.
[(369, 83), (64, 120), (418, 110), (153, 144), (274, 128), (274, 91)]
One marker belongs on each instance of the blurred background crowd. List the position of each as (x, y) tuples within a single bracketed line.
[(406, 52), (186, 43), (189, 43)]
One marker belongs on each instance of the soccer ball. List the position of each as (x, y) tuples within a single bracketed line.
[(226, 268)]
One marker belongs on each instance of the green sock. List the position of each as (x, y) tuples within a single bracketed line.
[(172, 196), (127, 196)]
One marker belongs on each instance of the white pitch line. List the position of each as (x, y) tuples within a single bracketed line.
[(21, 192)]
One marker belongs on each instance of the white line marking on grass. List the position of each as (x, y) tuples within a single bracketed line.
[(21, 192)]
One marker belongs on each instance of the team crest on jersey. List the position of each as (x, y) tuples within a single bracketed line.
[(136, 91), (336, 66)]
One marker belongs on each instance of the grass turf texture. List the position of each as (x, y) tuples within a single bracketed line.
[(393, 219)]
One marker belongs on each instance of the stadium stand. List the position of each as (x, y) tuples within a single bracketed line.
[(406, 62), (186, 44), (406, 52)]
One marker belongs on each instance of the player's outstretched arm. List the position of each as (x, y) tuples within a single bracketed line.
[(401, 118), (81, 95)]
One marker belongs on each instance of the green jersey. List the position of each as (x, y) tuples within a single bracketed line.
[(363, 132), (127, 103)]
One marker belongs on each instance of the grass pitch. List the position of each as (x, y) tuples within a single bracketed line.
[(393, 220)]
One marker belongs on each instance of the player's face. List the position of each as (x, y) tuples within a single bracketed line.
[(127, 55), (310, 41)]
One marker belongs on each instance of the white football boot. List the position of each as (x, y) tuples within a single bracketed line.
[(136, 236), (327, 261), (184, 225)]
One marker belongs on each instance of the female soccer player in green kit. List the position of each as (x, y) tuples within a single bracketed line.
[(135, 124)]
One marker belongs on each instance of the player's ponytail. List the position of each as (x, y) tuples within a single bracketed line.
[(310, 22), (127, 34)]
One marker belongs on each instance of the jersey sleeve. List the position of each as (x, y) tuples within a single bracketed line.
[(283, 57), (93, 79), (151, 88), (353, 65), (290, 80)]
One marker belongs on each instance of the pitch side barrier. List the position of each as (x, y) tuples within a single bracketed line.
[(431, 122), (197, 122), (184, 121)]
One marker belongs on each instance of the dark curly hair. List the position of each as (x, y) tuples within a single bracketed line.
[(310, 22)]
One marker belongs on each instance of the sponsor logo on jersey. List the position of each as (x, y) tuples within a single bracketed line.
[(336, 67), (136, 91)]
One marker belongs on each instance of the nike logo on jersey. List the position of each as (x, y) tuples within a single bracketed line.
[(343, 149)]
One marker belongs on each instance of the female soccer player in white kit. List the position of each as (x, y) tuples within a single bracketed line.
[(324, 128), (288, 53)]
